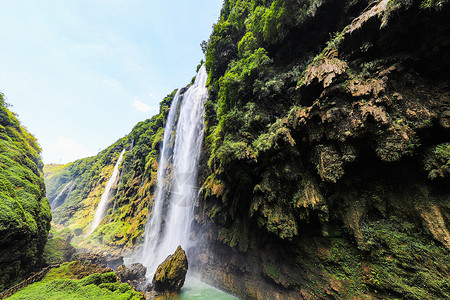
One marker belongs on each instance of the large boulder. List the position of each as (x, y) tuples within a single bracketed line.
[(170, 274)]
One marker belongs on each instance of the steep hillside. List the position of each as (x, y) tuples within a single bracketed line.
[(74, 190), (328, 149), (24, 211)]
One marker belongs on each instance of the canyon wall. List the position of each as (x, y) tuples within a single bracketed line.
[(24, 210)]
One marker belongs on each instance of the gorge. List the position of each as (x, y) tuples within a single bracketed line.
[(308, 159)]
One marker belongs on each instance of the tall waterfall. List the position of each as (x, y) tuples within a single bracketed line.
[(102, 205), (173, 208)]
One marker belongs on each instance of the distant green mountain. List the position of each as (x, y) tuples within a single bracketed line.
[(24, 210)]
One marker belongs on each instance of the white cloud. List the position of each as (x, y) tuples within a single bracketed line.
[(150, 94), (143, 107)]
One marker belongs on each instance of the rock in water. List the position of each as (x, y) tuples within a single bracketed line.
[(171, 273)]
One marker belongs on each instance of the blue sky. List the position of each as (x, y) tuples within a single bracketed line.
[(81, 73)]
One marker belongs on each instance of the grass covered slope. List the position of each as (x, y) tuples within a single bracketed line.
[(64, 283), (24, 211), (327, 155), (127, 213)]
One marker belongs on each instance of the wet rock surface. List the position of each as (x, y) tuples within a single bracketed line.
[(171, 273), (134, 275)]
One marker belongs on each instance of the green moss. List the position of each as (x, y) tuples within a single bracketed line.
[(61, 283), (24, 211), (405, 262), (57, 250), (272, 271), (437, 161), (95, 286), (433, 4)]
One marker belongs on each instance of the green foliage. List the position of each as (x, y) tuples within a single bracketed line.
[(437, 161), (399, 246), (96, 286), (433, 4), (236, 88), (221, 48), (24, 211), (247, 44), (57, 250)]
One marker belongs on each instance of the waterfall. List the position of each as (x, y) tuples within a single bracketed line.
[(102, 205), (62, 196), (153, 226), (173, 208), (120, 182)]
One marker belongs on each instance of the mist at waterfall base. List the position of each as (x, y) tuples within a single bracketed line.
[(103, 204)]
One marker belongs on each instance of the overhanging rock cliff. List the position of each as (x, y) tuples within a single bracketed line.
[(326, 164)]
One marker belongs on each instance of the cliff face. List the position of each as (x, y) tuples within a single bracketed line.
[(24, 211), (328, 150), (75, 190)]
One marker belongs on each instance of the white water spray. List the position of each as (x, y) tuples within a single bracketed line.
[(102, 205), (170, 227), (153, 226)]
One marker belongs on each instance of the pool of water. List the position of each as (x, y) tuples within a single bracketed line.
[(193, 288)]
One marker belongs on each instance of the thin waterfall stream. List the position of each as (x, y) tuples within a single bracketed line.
[(62, 196), (102, 205)]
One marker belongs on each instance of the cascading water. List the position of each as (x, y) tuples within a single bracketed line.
[(120, 182), (169, 228), (62, 196), (101, 208), (153, 226)]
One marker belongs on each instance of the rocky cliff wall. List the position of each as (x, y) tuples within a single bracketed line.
[(326, 164)]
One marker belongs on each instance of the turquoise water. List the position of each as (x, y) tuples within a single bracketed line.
[(195, 289)]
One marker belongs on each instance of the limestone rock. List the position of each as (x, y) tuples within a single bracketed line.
[(134, 275), (171, 273), (103, 260)]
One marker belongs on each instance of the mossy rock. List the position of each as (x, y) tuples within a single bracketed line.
[(171, 273), (24, 211), (58, 250)]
